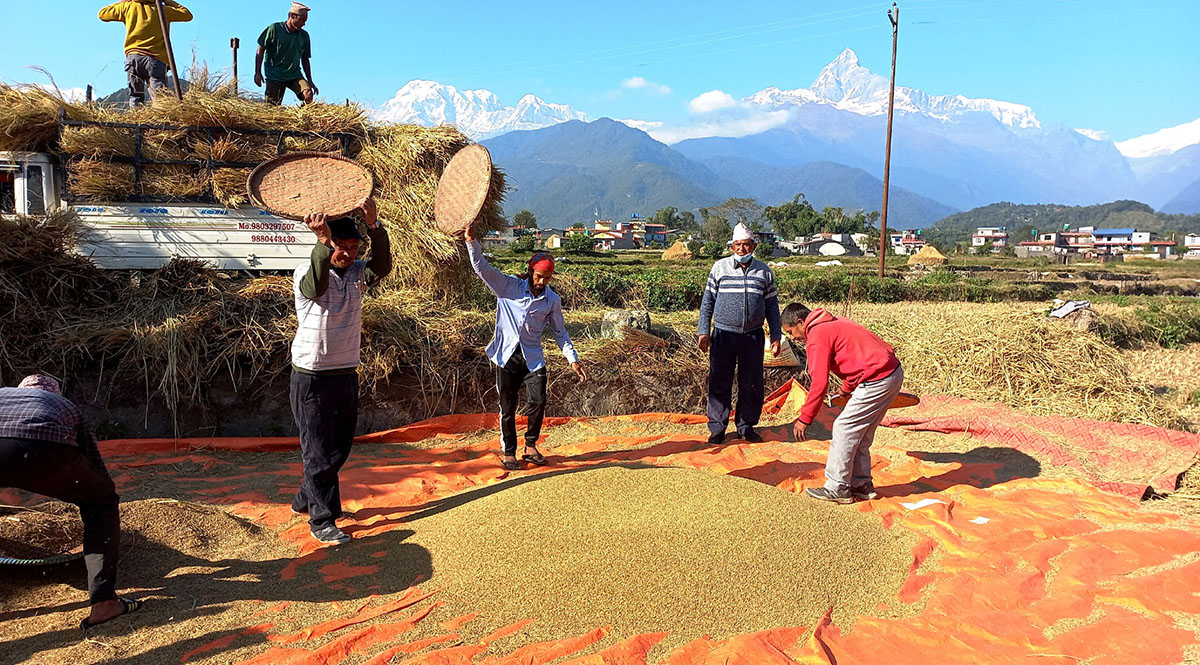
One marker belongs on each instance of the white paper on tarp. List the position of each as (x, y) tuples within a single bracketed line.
[(787, 355), (1071, 306), (981, 520), (922, 503), (823, 264)]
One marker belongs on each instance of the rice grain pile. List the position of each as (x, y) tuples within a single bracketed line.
[(657, 549)]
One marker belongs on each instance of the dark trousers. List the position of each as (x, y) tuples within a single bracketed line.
[(63, 472), (745, 350), (140, 70), (326, 412), (509, 380)]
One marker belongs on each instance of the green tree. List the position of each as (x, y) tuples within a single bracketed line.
[(763, 251), (687, 223), (740, 210), (985, 248), (795, 219), (579, 244), (522, 244), (525, 218), (713, 250), (715, 227)]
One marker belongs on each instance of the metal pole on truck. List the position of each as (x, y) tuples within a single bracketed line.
[(235, 43), (887, 155), (162, 20)]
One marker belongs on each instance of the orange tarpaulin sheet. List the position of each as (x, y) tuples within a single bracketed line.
[(1056, 568)]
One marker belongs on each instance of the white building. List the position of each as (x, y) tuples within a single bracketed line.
[(1191, 244), (905, 242), (985, 234)]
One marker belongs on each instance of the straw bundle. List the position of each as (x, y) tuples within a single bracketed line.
[(172, 181), (99, 142), (165, 145), (678, 252), (29, 117), (98, 180), (229, 186), (234, 147)]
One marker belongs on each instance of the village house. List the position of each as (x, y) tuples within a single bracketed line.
[(905, 242), (1191, 245), (996, 235), (1131, 241)]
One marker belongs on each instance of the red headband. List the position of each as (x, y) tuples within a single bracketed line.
[(541, 261)]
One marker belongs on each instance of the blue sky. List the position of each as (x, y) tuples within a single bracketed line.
[(1125, 68)]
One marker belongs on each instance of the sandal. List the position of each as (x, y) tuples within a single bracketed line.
[(511, 465), (535, 457), (127, 605)]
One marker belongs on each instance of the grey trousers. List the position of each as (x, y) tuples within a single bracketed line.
[(849, 462), (142, 70)]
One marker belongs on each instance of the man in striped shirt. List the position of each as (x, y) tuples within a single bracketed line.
[(325, 356), (738, 298), (46, 447)]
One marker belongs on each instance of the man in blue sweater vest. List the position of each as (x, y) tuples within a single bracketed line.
[(739, 296)]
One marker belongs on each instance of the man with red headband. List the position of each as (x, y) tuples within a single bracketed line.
[(524, 306)]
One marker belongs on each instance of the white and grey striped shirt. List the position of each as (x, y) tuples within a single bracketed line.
[(329, 330)]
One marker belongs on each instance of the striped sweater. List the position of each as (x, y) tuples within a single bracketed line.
[(739, 300)]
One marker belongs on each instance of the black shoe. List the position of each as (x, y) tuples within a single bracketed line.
[(331, 535), (864, 492), (751, 436), (299, 511), (824, 494), (716, 439)]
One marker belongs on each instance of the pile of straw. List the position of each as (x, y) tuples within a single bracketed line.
[(407, 160)]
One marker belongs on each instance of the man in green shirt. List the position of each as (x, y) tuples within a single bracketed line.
[(285, 47)]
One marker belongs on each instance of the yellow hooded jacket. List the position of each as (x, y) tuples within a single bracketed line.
[(142, 31)]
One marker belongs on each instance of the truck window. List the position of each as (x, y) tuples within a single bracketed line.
[(8, 192), (35, 203)]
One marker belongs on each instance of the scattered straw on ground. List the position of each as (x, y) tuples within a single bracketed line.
[(650, 549)]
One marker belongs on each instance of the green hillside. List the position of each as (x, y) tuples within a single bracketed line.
[(1044, 218)]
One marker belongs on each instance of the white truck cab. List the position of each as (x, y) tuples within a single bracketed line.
[(129, 235)]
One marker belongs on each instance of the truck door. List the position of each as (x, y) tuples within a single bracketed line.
[(35, 192), (8, 189)]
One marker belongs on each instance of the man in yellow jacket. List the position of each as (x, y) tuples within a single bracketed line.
[(145, 47)]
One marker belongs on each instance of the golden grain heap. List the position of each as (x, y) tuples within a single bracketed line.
[(657, 549), (214, 126)]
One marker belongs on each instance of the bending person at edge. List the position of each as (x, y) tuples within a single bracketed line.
[(524, 306), (46, 447), (871, 378)]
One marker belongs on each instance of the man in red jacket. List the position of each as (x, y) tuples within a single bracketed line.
[(871, 377)]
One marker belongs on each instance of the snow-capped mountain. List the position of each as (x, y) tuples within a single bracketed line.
[(1162, 142), (848, 86), (477, 113)]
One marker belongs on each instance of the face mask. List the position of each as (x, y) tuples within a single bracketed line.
[(744, 259)]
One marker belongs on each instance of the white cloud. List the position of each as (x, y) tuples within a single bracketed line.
[(639, 83), (713, 100), (644, 125), (1094, 134), (742, 123)]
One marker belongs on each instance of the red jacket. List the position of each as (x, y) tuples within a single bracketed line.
[(856, 355)]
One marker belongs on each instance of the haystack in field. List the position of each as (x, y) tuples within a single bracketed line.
[(678, 252), (928, 256)]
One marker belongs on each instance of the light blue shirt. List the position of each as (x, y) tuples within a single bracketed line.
[(521, 317)]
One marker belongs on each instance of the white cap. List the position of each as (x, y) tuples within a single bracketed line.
[(742, 232), (297, 8)]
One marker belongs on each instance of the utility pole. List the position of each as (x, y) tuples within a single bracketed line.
[(894, 17), (235, 43)]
